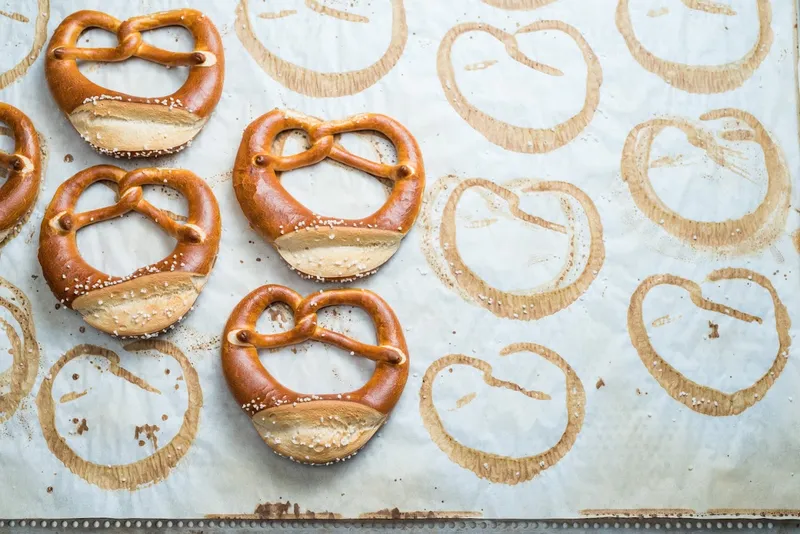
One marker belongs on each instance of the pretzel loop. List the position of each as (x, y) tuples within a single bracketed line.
[(69, 221), (131, 44), (319, 150), (320, 247), (301, 332), (126, 125), (306, 327), (24, 166), (317, 429), (153, 297)]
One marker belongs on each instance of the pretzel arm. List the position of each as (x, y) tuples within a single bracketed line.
[(376, 353), (90, 54), (126, 48), (8, 160), (269, 341), (186, 232), (169, 58), (340, 154), (319, 150), (303, 330), (72, 222)]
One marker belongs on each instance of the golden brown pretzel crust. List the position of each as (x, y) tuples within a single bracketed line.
[(154, 297), (314, 429), (319, 247), (129, 126), (18, 193)]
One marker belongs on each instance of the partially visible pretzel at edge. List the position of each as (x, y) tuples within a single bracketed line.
[(152, 298), (122, 125), (19, 192), (319, 247), (313, 429)]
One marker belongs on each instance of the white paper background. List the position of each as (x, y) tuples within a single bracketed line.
[(636, 450)]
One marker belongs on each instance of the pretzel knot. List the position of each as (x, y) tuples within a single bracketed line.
[(152, 298), (23, 168), (128, 126), (316, 246), (308, 428)]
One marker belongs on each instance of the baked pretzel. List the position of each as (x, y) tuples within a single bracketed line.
[(24, 166), (313, 429), (321, 247), (152, 298), (122, 125)]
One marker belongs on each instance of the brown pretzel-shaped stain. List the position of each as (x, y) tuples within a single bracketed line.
[(152, 298), (24, 166), (316, 246), (128, 126), (313, 429)]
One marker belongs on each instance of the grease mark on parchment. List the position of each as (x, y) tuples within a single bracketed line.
[(664, 319), (600, 383), (277, 14), (480, 65), (639, 512), (314, 5), (395, 513), (667, 161), (72, 395), (760, 512), (148, 432), (518, 5), (323, 84), (658, 12), (494, 467), (509, 136), (80, 426), (714, 332), (709, 6), (653, 513), (755, 230), (19, 17), (701, 78), (463, 401), (441, 251), (20, 376), (278, 510), (39, 35), (134, 475), (697, 397)]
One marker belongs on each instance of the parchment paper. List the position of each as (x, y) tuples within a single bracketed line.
[(660, 401)]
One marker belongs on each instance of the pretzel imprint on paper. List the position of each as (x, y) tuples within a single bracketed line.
[(308, 428)]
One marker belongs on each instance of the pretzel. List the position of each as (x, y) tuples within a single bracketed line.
[(313, 429), (19, 192), (122, 125), (321, 247), (152, 298)]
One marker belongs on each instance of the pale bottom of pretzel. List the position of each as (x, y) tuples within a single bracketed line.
[(115, 127), (319, 431), (141, 306), (338, 252), (4, 233)]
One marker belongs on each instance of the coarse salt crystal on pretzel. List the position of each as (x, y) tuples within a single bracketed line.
[(24, 165), (319, 247), (308, 428), (152, 298), (122, 125)]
